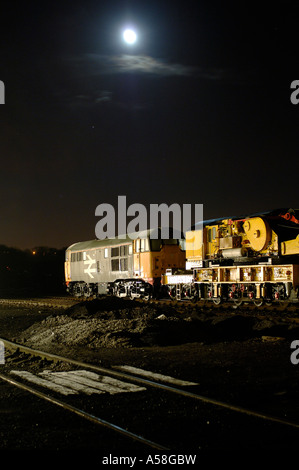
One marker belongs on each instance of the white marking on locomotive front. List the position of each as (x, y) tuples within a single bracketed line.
[(81, 381), (90, 270), (154, 375)]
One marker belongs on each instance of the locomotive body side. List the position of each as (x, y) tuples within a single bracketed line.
[(123, 267)]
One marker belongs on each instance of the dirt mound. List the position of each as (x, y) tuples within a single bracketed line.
[(113, 308), (120, 323), (108, 323)]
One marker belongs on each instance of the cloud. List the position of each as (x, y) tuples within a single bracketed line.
[(104, 97), (147, 65), (94, 64), (96, 80)]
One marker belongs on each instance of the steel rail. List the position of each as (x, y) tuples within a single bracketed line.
[(205, 303), (151, 383), (83, 414)]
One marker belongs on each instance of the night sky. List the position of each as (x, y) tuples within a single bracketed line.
[(198, 111)]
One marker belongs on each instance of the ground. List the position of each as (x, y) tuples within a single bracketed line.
[(241, 356)]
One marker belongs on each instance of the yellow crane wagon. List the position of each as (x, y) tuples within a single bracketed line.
[(253, 258)]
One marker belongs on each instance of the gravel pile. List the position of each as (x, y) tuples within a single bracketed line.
[(120, 323), (105, 323)]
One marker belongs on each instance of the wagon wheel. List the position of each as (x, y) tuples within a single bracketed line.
[(217, 300), (147, 297), (171, 295), (131, 296)]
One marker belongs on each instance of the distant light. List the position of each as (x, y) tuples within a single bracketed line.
[(129, 36)]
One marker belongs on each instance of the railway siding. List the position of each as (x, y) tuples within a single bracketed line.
[(255, 373)]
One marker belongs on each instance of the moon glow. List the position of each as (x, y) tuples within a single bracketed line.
[(129, 36)]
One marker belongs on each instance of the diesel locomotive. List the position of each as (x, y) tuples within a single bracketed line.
[(125, 267), (241, 259)]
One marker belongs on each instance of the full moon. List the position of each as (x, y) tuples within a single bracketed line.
[(129, 36)]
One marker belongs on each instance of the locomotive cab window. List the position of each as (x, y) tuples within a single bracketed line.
[(170, 241), (141, 245), (156, 245), (115, 264), (124, 264), (114, 252), (124, 250)]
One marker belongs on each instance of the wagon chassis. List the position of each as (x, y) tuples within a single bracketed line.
[(257, 284)]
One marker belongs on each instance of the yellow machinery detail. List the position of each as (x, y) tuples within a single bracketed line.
[(195, 245), (258, 232), (290, 247)]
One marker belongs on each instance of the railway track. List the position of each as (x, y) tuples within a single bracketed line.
[(83, 414), (55, 302), (287, 313), (67, 301), (10, 346), (129, 376)]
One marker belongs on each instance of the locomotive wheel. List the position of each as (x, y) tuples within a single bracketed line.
[(237, 303), (217, 300), (172, 294), (258, 302)]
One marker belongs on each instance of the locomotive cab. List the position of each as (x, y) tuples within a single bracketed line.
[(153, 256)]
